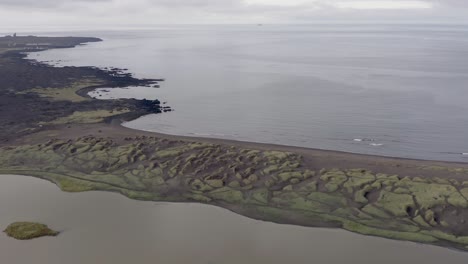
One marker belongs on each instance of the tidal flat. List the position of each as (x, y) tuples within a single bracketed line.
[(81, 146)]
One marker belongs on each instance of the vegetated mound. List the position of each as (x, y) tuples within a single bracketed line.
[(29, 230)]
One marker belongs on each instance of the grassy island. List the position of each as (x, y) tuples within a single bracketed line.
[(28, 230), (84, 148)]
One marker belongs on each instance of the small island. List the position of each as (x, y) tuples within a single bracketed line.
[(29, 230)]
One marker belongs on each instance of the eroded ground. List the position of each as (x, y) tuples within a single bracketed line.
[(271, 185)]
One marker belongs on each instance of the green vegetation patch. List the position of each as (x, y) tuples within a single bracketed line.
[(67, 93), (29, 230), (397, 204), (87, 117)]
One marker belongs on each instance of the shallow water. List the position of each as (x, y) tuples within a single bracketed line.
[(99, 227), (400, 88)]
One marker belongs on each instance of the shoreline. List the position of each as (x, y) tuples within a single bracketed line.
[(83, 92), (89, 149), (262, 145)]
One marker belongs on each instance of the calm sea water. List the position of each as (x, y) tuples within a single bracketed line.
[(395, 90)]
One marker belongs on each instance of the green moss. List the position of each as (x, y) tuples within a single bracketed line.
[(28, 230), (308, 174), (253, 178), (408, 236), (276, 155), (464, 192), (309, 187), (333, 200), (270, 169), (200, 186), (375, 211), (167, 153), (294, 181), (429, 216), (289, 165), (286, 176), (357, 179), (87, 117), (67, 93), (457, 200), (449, 237), (261, 196), (140, 195), (250, 180), (300, 203), (198, 197), (334, 176), (227, 194), (270, 182), (215, 183), (397, 204), (234, 184), (400, 190), (391, 224), (360, 195), (332, 187), (421, 222), (272, 213), (154, 182), (429, 195)]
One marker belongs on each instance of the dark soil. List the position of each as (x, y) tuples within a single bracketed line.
[(21, 112)]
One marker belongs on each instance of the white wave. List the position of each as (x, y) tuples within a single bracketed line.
[(376, 144)]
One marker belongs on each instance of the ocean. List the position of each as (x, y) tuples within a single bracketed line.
[(391, 90)]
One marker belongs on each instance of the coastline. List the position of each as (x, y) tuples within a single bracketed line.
[(283, 184)]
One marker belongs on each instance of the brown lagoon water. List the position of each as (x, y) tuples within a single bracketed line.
[(100, 227)]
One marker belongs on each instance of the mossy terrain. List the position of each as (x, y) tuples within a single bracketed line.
[(270, 185), (28, 230), (86, 117), (66, 93)]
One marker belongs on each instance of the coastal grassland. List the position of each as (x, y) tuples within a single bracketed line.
[(29, 230), (86, 117), (270, 185), (68, 93)]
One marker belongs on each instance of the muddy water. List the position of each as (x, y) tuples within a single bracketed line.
[(99, 227)]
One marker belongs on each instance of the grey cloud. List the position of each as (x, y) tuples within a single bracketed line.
[(211, 4), (213, 11), (43, 3)]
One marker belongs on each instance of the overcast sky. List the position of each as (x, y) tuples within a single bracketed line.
[(105, 13)]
